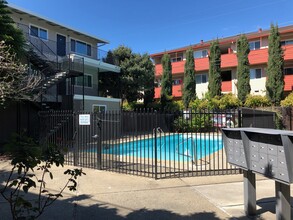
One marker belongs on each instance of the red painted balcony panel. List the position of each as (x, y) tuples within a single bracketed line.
[(158, 69), (258, 56), (176, 91), (226, 86), (288, 83), (178, 67), (201, 64), (288, 52), (229, 60), (157, 92)]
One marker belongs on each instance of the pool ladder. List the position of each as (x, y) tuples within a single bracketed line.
[(159, 131), (185, 153)]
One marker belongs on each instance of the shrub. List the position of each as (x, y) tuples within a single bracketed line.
[(228, 101), (127, 106), (218, 102), (199, 104), (288, 101), (174, 106), (196, 123), (253, 101), (27, 157)]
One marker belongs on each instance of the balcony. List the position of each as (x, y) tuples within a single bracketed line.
[(258, 56), (176, 91), (177, 67), (226, 86), (288, 82), (288, 52), (50, 50), (229, 60), (201, 64)]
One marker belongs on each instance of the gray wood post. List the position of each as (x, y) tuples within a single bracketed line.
[(283, 207), (249, 192)]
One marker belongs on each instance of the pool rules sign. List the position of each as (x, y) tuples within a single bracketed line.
[(84, 119)]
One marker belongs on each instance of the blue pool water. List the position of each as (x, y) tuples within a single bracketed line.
[(170, 147)]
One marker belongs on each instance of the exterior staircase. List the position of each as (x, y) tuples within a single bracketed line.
[(54, 68)]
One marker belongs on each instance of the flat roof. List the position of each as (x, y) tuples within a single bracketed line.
[(250, 36), (19, 10)]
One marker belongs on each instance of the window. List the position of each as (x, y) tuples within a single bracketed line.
[(200, 53), (288, 71), (99, 108), (255, 73), (87, 81), (38, 32), (201, 78), (176, 57), (81, 48), (255, 45), (177, 81), (286, 42)]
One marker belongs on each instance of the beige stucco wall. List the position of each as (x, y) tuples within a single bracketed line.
[(110, 103)]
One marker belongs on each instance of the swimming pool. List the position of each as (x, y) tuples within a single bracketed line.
[(177, 147)]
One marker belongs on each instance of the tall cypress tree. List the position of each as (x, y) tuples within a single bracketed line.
[(11, 35), (166, 82), (243, 74), (275, 74), (215, 80), (189, 85)]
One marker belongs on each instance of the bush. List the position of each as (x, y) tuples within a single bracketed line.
[(226, 101), (254, 101), (229, 101), (31, 165), (174, 106), (288, 101), (200, 104), (196, 123)]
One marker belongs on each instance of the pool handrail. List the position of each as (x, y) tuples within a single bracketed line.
[(185, 155)]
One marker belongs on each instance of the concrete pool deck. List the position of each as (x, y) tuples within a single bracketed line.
[(106, 195)]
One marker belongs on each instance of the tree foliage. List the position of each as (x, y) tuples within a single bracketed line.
[(215, 81), (275, 75), (15, 83), (166, 82), (243, 73), (189, 86), (8, 32), (136, 80)]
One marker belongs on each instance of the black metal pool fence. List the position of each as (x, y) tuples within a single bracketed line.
[(145, 143)]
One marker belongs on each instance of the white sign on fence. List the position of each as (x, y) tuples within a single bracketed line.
[(84, 119)]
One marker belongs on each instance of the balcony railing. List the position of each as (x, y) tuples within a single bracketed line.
[(49, 48)]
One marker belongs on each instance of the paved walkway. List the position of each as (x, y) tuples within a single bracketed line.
[(104, 195)]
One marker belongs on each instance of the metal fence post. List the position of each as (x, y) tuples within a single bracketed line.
[(99, 143), (239, 118), (156, 154)]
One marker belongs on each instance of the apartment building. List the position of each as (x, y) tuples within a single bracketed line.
[(258, 58), (69, 59)]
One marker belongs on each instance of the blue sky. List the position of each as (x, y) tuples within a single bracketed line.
[(151, 26)]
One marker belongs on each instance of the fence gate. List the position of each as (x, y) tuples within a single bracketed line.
[(144, 143)]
